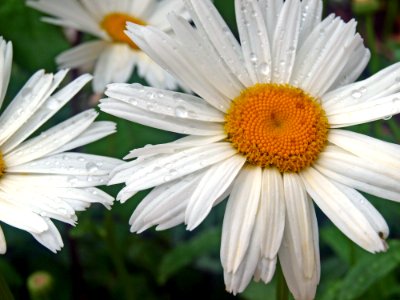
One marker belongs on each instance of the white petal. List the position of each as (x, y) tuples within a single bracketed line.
[(3, 244), (164, 203), (169, 148), (363, 112), (271, 10), (155, 75), (265, 269), (51, 139), (68, 163), (177, 165), (45, 112), (254, 40), (212, 27), (374, 217), (95, 131), (6, 53), (302, 287), (204, 55), (28, 100), (240, 217), (285, 41), (298, 221), (50, 238), (176, 61), (342, 212), (272, 212), (214, 183), (324, 55), (163, 8), (173, 104), (70, 13), (115, 64), (311, 13), (148, 118), (81, 55), (362, 174), (237, 281), (60, 180), (20, 217), (356, 65), (384, 83), (368, 148)]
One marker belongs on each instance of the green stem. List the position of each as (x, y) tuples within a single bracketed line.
[(371, 42), (390, 18), (282, 290), (394, 127), (5, 292), (116, 257)]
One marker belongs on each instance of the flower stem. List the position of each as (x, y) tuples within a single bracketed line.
[(282, 291), (5, 292), (371, 42), (116, 257)]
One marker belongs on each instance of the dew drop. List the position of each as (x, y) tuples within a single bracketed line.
[(264, 69), (388, 117), (91, 167), (181, 112), (52, 103), (356, 94), (177, 97), (253, 57)]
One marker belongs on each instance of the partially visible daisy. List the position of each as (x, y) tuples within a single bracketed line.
[(265, 130), (113, 54), (39, 179)]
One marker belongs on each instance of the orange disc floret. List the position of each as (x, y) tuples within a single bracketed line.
[(115, 23), (277, 125), (2, 165)]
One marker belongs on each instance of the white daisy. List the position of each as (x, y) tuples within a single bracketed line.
[(113, 54), (39, 180), (266, 130)]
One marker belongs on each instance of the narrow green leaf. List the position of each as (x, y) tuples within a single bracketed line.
[(369, 270)]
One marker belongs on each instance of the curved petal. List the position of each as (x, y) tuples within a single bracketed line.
[(272, 212), (163, 102), (301, 285), (6, 53), (115, 64), (240, 217), (254, 40), (285, 39), (342, 212), (214, 183), (163, 122)]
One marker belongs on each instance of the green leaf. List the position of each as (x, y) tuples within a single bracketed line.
[(35, 43), (186, 253), (368, 271)]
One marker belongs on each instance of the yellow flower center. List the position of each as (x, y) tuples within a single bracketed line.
[(277, 125), (2, 165), (115, 23)]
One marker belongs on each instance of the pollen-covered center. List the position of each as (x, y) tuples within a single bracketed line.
[(115, 23), (2, 165), (277, 125)]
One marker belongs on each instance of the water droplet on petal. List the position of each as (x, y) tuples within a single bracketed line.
[(181, 112), (356, 94)]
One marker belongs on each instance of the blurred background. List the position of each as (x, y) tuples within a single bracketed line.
[(102, 259)]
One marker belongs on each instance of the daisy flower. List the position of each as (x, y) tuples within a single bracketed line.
[(112, 53), (39, 180), (266, 129)]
